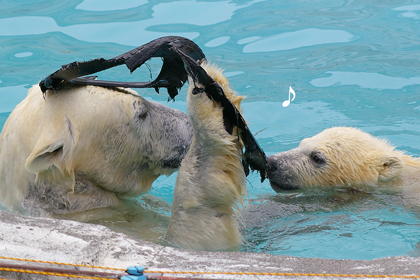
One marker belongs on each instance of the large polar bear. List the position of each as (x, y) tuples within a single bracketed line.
[(86, 147), (344, 156), (69, 148)]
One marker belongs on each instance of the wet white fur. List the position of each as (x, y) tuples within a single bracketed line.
[(353, 158), (211, 182), (84, 148)]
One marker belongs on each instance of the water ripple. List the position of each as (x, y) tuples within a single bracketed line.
[(116, 32), (99, 5), (410, 11), (217, 42), (298, 39), (171, 13), (365, 80)]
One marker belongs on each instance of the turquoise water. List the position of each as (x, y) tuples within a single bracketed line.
[(351, 63)]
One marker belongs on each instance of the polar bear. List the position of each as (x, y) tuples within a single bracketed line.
[(86, 147), (211, 184), (74, 145), (344, 156)]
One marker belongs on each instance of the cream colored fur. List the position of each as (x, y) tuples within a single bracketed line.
[(352, 158), (210, 187), (86, 147)]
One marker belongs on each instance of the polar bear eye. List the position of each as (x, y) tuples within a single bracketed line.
[(318, 158)]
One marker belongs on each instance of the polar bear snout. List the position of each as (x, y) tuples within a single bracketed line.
[(279, 174), (174, 161)]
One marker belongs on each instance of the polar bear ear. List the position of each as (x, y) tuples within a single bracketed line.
[(44, 157), (54, 149), (391, 167)]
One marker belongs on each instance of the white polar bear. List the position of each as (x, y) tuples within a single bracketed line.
[(86, 147), (211, 181), (349, 157), (89, 147)]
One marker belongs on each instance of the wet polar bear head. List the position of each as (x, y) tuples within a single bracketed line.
[(86, 147), (342, 156)]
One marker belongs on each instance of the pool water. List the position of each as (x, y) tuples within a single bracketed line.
[(351, 63)]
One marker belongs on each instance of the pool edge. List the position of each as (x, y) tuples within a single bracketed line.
[(79, 243)]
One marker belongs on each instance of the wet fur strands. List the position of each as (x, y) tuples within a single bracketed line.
[(67, 149), (211, 182), (86, 147), (346, 157)]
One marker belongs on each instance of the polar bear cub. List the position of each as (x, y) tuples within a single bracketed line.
[(211, 183), (344, 156)]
